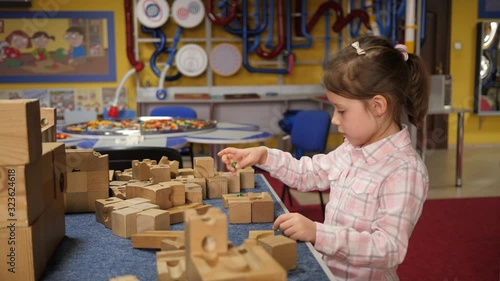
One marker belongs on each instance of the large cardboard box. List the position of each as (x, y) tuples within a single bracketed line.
[(20, 132)]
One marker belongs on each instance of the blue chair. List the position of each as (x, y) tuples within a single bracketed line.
[(174, 111), (177, 112), (309, 134)]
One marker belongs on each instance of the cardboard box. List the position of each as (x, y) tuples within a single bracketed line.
[(20, 132)]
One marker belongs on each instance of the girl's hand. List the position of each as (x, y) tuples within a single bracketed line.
[(296, 226), (235, 158)]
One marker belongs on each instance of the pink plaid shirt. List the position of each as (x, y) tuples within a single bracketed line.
[(376, 197)]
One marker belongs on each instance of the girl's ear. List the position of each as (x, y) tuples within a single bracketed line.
[(378, 105)]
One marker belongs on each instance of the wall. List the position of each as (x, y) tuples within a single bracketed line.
[(50, 7), (478, 130), (464, 19)]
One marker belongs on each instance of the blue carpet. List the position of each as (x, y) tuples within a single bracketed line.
[(91, 252)]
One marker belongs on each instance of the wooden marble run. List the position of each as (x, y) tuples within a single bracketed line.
[(207, 254)]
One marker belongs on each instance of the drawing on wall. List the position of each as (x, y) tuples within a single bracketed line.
[(63, 100), (62, 47)]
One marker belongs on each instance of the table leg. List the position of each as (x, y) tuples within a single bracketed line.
[(214, 149), (460, 148)]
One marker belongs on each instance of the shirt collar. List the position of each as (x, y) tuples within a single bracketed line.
[(378, 150)]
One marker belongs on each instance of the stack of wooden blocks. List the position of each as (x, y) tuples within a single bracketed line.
[(88, 180), (32, 182)]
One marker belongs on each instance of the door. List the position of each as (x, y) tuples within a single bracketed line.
[(435, 51)]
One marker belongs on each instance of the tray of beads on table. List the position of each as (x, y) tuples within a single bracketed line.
[(147, 125)]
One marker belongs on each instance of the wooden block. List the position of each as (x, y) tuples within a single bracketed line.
[(100, 214), (158, 194), (86, 160), (34, 244), (216, 186), (177, 212), (125, 278), (77, 181), (247, 178), (193, 193), (153, 219), (239, 263), (118, 183), (257, 234), (160, 173), (58, 152), (202, 225), (178, 196), (186, 172), (201, 182), (240, 210), (109, 208), (97, 180), (174, 167), (171, 265), (22, 187), (233, 181), (145, 206), (227, 197), (262, 208), (48, 120), (123, 176), (140, 171), (152, 239), (20, 132), (118, 191), (124, 222), (134, 189), (203, 167), (94, 195), (76, 202), (178, 243), (282, 249)]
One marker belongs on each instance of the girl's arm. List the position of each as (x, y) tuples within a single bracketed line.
[(306, 174)]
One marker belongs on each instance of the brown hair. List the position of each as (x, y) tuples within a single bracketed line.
[(18, 33), (382, 70), (42, 34)]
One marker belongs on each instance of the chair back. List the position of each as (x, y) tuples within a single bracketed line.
[(310, 131), (174, 111), (120, 157)]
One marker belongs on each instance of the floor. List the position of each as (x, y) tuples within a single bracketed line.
[(480, 174)]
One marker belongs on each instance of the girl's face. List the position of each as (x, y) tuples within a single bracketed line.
[(19, 42), (40, 41), (355, 122)]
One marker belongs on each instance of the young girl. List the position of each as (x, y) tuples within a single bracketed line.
[(378, 183)]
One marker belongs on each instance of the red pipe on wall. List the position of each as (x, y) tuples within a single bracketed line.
[(342, 22), (130, 40), (321, 10), (215, 19)]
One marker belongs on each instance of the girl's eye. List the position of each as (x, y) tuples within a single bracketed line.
[(340, 111)]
